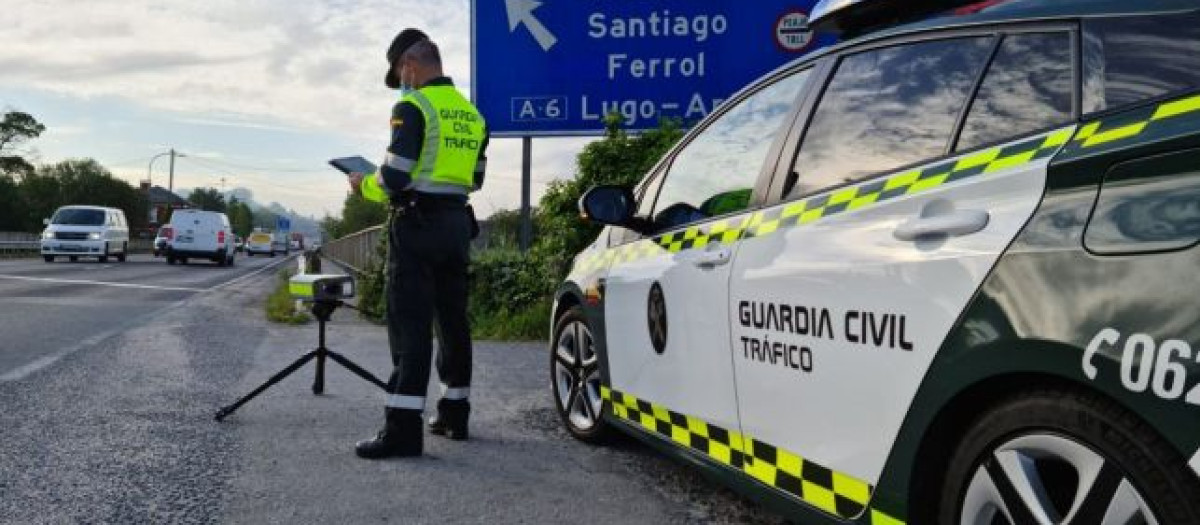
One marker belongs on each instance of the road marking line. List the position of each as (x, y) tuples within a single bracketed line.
[(251, 274), (101, 283), (23, 371)]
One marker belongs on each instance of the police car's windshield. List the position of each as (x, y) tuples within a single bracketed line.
[(79, 217)]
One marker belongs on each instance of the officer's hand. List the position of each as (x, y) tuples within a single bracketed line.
[(356, 182)]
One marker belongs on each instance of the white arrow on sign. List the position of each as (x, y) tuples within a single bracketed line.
[(521, 12)]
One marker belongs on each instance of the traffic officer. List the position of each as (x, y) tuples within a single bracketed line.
[(435, 159)]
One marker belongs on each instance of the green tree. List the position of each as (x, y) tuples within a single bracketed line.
[(619, 158), (332, 226), (240, 217), (503, 229), (360, 214), (16, 128), (79, 181), (207, 199), (12, 208)]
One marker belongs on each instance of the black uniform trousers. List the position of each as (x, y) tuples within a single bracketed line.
[(428, 256)]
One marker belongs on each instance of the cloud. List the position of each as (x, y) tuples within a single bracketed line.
[(314, 68)]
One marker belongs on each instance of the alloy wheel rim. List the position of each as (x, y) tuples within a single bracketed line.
[(1047, 479), (577, 376)]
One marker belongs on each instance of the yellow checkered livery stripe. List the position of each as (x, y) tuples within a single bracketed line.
[(1139, 122), (786, 216), (831, 491)]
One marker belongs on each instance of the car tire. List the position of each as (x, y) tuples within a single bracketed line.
[(1072, 454), (124, 252), (575, 378), (171, 259), (48, 258), (73, 258), (272, 253), (103, 258), (183, 261)]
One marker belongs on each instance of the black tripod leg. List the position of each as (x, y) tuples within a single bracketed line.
[(319, 379), (350, 365), (225, 411)]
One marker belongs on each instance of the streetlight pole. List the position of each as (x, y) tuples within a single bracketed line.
[(171, 180), (171, 177)]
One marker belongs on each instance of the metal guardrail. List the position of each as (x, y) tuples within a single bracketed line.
[(30, 244), (355, 251)]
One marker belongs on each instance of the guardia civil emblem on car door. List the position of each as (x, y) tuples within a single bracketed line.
[(656, 318)]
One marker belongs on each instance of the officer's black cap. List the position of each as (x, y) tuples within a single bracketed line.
[(403, 41)]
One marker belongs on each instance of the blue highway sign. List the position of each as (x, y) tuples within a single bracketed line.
[(556, 67)]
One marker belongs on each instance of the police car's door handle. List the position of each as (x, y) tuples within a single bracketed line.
[(708, 258), (952, 224)]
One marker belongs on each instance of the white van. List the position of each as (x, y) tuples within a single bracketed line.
[(200, 235), (90, 231)]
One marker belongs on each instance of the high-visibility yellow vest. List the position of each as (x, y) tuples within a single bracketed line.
[(454, 134)]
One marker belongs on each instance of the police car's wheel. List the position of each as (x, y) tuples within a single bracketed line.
[(575, 376), (1066, 458)]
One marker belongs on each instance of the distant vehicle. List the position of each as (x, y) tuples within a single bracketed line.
[(91, 231), (281, 242), (200, 235), (239, 244), (165, 234), (259, 242), (297, 241)]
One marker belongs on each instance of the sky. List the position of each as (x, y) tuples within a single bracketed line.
[(256, 94)]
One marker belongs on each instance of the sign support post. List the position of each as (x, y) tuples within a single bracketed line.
[(526, 179)]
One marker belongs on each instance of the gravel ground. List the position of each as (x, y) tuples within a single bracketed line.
[(122, 432)]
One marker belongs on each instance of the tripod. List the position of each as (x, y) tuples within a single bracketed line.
[(322, 310)]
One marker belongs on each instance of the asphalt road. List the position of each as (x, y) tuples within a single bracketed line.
[(50, 310), (119, 428)]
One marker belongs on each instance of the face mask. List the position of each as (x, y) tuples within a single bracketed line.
[(405, 87)]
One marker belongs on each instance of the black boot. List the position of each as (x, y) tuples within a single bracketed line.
[(451, 419), (402, 436)]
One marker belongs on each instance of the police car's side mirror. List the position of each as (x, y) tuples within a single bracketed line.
[(612, 205)]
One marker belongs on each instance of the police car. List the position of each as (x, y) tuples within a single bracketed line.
[(943, 272)]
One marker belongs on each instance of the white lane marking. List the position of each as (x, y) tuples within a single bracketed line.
[(1195, 463), (25, 370), (251, 274), (145, 286), (101, 283)]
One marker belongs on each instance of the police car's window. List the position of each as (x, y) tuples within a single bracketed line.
[(715, 173), (887, 108), (1129, 59), (646, 205), (1028, 87)]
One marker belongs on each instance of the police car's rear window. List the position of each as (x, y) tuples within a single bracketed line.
[(1130, 59), (886, 108)]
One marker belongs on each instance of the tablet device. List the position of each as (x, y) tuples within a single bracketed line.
[(350, 165)]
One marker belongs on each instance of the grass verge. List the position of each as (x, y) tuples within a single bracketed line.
[(281, 307)]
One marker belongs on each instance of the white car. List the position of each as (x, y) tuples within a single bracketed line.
[(91, 231), (200, 235)]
